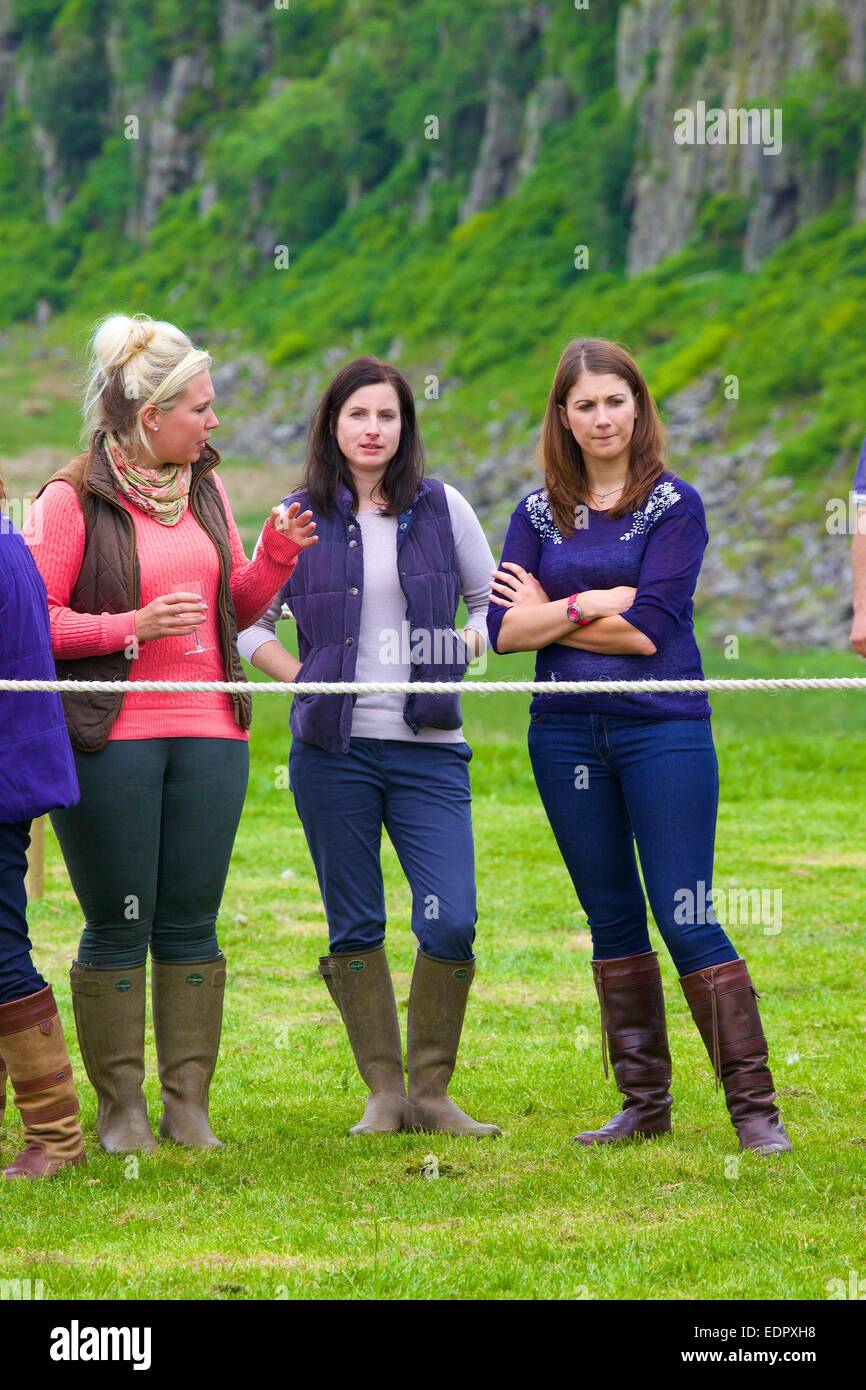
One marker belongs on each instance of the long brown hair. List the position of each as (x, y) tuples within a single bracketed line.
[(324, 465), (560, 455)]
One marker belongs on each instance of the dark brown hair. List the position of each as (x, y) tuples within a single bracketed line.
[(560, 454), (324, 465)]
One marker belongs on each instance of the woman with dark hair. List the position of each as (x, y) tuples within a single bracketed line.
[(376, 601), (597, 575), (37, 774)]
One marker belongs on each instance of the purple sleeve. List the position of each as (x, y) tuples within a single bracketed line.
[(859, 488), (668, 574), (523, 547)]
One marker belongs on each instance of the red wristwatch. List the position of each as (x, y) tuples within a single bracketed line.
[(575, 612)]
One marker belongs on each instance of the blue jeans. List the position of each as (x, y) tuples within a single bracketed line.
[(420, 792), (608, 781), (18, 978)]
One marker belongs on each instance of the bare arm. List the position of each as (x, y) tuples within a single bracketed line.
[(526, 627), (275, 661), (611, 636)]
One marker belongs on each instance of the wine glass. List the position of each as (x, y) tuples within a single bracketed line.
[(194, 586)]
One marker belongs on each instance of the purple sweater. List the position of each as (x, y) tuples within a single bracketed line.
[(657, 550), (37, 771)]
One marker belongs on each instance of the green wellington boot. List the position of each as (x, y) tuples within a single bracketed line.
[(361, 987), (109, 1017), (187, 1022), (437, 1006)]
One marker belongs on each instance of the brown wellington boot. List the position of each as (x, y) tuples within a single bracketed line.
[(437, 1007), (109, 1016), (722, 1001), (187, 1021), (632, 1004), (31, 1034), (361, 987)]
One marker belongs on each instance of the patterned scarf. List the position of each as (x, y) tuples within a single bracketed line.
[(162, 493)]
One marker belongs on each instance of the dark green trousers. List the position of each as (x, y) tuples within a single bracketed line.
[(149, 844)]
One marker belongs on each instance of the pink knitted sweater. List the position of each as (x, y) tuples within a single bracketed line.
[(169, 557)]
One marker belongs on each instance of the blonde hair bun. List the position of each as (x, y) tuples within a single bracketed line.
[(134, 362), (118, 337)]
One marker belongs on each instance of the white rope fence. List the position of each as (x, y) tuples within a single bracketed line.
[(435, 687), (36, 856)]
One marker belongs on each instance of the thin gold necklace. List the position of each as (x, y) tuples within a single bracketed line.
[(600, 496)]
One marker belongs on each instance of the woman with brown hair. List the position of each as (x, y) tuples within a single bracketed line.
[(597, 575), (37, 774), (147, 580)]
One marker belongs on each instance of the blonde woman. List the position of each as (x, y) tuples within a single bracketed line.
[(147, 579)]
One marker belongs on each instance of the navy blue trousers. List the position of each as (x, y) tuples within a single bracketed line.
[(608, 782), (420, 793), (18, 977)]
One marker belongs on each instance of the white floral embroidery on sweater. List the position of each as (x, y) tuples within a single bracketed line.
[(662, 496), (538, 507)]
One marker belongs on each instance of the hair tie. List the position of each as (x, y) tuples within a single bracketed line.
[(121, 362)]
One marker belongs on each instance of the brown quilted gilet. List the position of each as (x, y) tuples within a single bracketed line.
[(109, 582)]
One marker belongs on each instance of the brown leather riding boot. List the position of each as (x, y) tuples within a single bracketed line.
[(722, 1001), (437, 1006), (31, 1035), (633, 1029), (187, 1023), (109, 1017), (361, 987)]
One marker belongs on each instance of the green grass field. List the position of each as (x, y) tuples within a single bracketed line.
[(293, 1208)]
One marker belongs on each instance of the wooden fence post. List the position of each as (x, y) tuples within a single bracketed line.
[(35, 880)]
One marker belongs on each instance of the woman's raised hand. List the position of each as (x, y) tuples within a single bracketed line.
[(300, 529), (519, 587)]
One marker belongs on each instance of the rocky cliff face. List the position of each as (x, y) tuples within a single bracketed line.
[(733, 54), (728, 54), (166, 148), (8, 48), (519, 101)]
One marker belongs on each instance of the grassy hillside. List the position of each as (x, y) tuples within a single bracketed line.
[(321, 149)]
